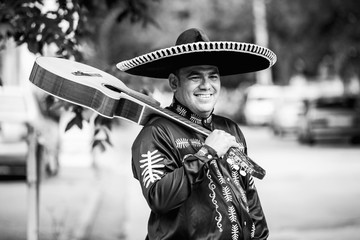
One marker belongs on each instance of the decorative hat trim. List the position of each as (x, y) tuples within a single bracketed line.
[(199, 47)]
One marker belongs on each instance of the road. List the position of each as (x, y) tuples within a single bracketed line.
[(309, 192)]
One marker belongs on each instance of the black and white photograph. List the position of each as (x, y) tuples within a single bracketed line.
[(179, 120)]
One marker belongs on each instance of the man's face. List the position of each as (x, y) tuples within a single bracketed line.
[(197, 87)]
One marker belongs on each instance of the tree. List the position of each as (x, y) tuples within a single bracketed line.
[(70, 26), (67, 24), (311, 31)]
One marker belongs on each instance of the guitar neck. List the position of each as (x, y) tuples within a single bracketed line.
[(137, 108)]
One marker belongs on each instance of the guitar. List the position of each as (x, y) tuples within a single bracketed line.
[(105, 94)]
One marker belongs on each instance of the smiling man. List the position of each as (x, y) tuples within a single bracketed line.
[(197, 87), (192, 185)]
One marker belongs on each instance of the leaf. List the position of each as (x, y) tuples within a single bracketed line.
[(70, 124), (108, 140), (96, 131), (33, 47), (100, 144), (77, 120)]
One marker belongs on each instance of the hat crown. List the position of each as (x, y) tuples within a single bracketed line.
[(192, 35)]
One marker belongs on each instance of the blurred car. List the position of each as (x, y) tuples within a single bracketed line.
[(287, 109), (330, 118), (259, 103), (19, 111)]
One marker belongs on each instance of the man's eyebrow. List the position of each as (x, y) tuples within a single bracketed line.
[(192, 72), (195, 72), (215, 71)]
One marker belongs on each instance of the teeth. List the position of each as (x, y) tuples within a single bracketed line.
[(204, 95)]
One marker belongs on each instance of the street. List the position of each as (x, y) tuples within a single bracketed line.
[(309, 192)]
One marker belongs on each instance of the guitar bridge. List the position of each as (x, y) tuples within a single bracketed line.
[(87, 74)]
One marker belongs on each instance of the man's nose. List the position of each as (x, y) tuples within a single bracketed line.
[(205, 83)]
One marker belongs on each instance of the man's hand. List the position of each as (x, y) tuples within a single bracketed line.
[(221, 141)]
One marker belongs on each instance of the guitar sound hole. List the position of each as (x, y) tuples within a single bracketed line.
[(112, 88)]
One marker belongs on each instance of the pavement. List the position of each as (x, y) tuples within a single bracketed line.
[(68, 204), (94, 195)]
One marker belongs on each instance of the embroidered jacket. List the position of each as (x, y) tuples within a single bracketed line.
[(192, 193)]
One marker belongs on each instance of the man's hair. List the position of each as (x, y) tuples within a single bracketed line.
[(176, 72)]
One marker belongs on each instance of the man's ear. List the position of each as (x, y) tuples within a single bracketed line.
[(173, 82)]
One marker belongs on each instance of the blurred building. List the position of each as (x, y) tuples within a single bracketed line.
[(15, 64)]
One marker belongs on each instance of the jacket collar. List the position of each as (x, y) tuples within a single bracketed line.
[(180, 109)]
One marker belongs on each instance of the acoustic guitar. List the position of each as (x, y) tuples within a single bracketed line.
[(105, 94)]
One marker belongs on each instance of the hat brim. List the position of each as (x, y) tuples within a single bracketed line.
[(230, 58)]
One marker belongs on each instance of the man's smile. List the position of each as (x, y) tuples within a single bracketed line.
[(204, 95)]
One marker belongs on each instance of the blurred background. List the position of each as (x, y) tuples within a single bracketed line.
[(301, 118)]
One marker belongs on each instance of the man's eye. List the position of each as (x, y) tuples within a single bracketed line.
[(194, 78), (214, 77)]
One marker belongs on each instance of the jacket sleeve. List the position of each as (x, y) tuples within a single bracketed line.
[(165, 179)]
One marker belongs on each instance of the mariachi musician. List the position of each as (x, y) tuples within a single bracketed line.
[(193, 186)]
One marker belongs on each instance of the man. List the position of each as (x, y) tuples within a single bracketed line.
[(193, 188)]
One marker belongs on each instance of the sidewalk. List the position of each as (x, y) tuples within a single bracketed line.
[(123, 212), (103, 204), (68, 203)]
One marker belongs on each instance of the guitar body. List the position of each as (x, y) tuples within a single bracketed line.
[(89, 87)]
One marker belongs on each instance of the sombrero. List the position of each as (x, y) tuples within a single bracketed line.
[(193, 47)]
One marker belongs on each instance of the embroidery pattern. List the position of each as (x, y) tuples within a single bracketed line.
[(232, 214), (212, 195), (195, 119), (182, 143), (226, 191), (227, 194), (196, 142), (233, 219), (235, 232), (218, 173), (151, 165), (235, 176), (253, 230), (182, 111)]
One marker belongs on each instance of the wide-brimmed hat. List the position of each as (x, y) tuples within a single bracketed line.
[(193, 47)]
